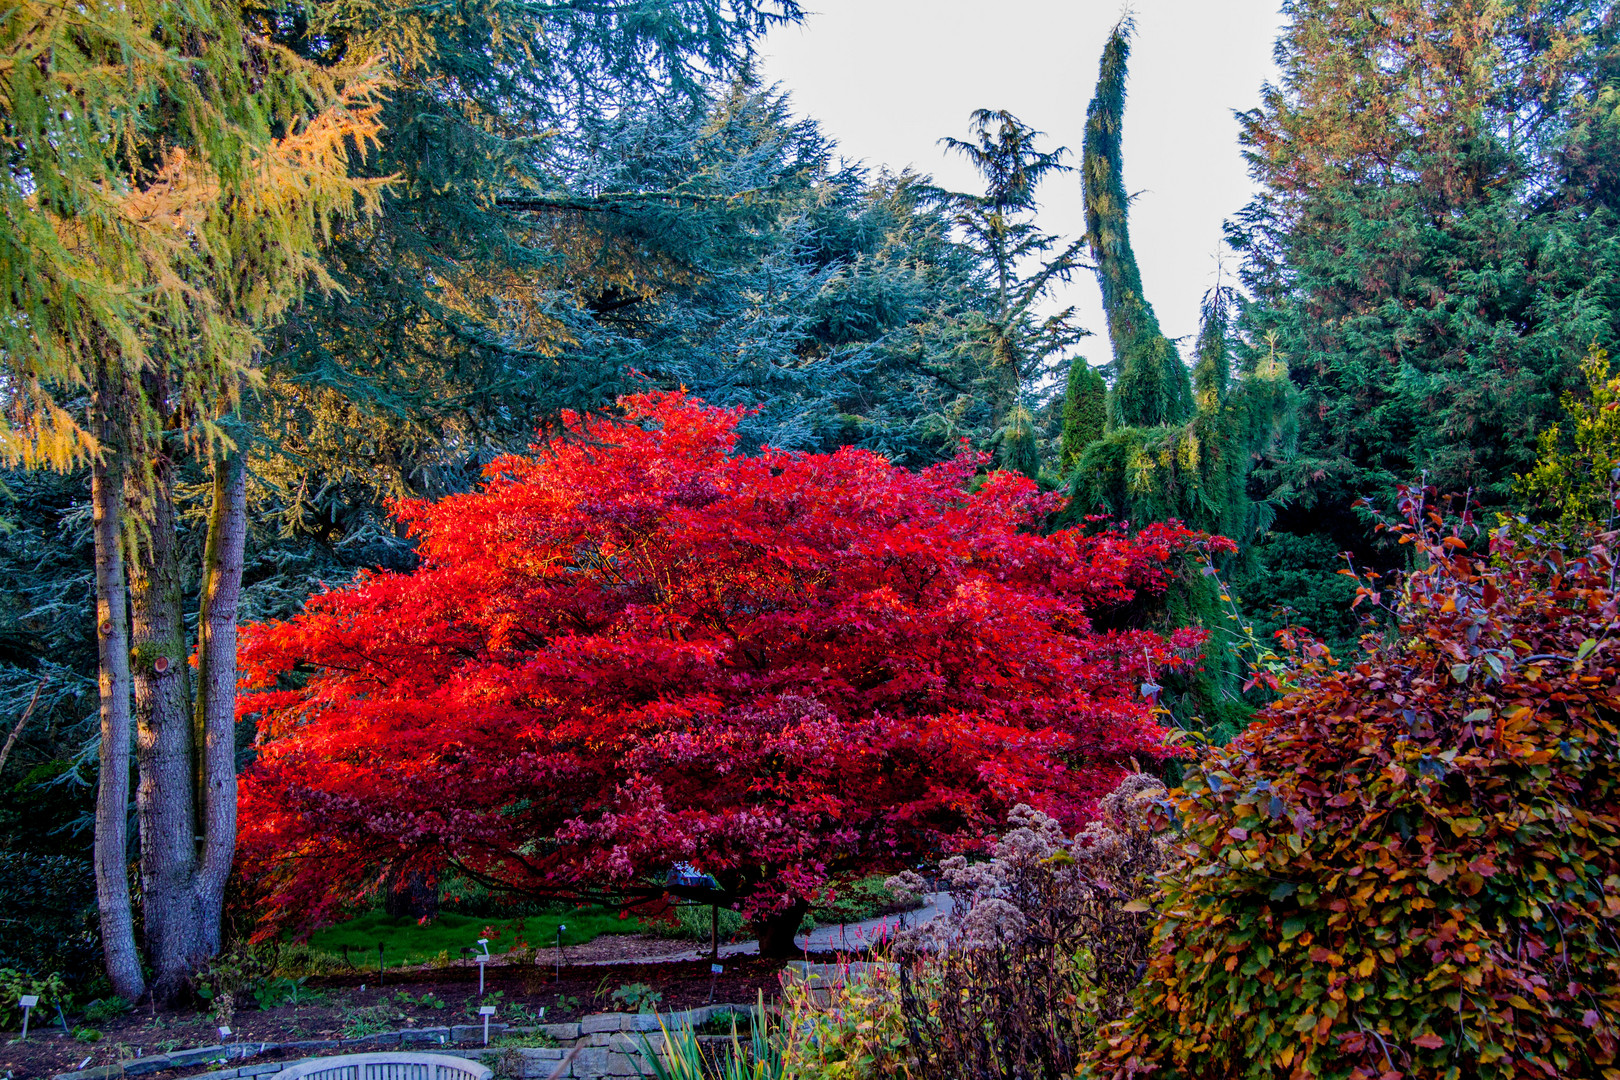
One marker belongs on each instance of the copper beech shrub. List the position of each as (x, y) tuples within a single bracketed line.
[(1409, 867), (643, 649)]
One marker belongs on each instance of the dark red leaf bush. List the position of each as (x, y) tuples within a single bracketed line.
[(782, 668)]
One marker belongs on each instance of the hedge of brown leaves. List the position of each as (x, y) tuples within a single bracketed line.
[(1411, 866)]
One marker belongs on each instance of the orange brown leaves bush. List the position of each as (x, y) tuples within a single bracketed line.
[(1410, 867)]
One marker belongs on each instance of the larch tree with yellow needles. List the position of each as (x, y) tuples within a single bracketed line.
[(169, 178)]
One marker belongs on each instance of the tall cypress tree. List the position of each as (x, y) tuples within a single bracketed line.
[(1085, 412), (1150, 381), (1175, 448)]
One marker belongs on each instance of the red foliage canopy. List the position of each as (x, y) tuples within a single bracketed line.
[(779, 668)]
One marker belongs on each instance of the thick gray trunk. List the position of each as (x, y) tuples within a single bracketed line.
[(777, 929), (216, 689), (164, 750), (112, 643)]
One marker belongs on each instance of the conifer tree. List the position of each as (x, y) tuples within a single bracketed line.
[(517, 240), (1150, 381), (1016, 347), (1175, 448), (169, 179), (1085, 412), (1432, 246)]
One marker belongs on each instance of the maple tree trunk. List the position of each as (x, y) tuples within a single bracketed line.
[(112, 641), (163, 747), (776, 931), (216, 690), (410, 895)]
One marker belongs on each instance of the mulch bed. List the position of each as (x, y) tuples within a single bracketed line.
[(343, 1009)]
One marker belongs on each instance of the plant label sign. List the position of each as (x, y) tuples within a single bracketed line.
[(486, 1011), (28, 1001)]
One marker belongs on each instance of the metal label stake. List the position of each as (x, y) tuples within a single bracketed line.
[(27, 1001)]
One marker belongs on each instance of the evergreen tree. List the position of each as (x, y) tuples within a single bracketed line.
[(1432, 246), (1085, 412), (512, 247), (1017, 350), (169, 179), (1150, 381), (1168, 453), (1175, 448)]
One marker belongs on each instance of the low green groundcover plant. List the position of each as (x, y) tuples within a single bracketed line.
[(1410, 866), (405, 941)]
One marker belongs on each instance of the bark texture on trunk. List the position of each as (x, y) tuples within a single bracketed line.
[(163, 748), (109, 411), (777, 929), (216, 689)]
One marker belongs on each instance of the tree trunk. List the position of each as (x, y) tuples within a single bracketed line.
[(777, 929), (109, 412), (410, 895), (1007, 376), (164, 749), (216, 689)]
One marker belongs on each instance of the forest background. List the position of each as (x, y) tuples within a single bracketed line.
[(578, 206)]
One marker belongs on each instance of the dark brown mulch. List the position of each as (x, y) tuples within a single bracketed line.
[(342, 1008)]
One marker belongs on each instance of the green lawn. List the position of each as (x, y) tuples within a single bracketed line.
[(404, 942)]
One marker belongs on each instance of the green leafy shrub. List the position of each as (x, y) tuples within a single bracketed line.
[(272, 992), (296, 961), (691, 922), (1410, 867), (363, 1020), (862, 899), (847, 1028), (50, 989), (104, 1009), (235, 975), (428, 1000)]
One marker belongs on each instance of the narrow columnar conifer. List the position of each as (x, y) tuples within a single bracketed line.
[(1150, 381), (1085, 412)]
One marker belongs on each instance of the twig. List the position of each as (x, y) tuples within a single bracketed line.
[(16, 731)]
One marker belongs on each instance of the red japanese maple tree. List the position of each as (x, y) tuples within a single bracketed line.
[(780, 668)]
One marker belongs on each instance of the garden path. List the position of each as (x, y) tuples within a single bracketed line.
[(831, 938)]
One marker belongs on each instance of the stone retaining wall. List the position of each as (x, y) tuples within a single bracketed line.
[(599, 1045)]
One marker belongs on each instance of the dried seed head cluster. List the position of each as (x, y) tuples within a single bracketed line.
[(1038, 948)]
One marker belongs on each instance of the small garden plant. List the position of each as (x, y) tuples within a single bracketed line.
[(636, 997)]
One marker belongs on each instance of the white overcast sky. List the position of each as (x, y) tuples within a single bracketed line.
[(888, 78)]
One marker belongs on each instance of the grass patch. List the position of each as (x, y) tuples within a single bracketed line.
[(405, 942)]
